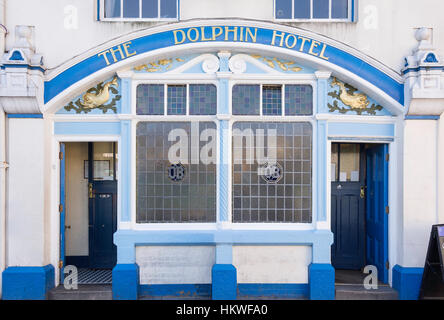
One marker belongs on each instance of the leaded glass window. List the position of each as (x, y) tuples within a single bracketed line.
[(298, 100), (277, 186), (171, 190), (150, 99), (268, 100), (177, 100), (200, 99), (272, 100), (246, 99), (203, 99)]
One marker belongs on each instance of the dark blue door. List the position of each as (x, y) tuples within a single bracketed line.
[(62, 209), (348, 206), (102, 192), (377, 209)]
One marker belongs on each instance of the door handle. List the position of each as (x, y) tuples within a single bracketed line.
[(90, 191), (363, 192)]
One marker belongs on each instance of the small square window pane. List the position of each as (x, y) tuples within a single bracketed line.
[(320, 9), (112, 8), (302, 9), (131, 9), (283, 9), (246, 99), (168, 8), (177, 100), (150, 99), (272, 100), (298, 100), (203, 99), (339, 9), (150, 9)]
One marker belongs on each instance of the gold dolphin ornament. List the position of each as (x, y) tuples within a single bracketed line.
[(94, 100), (355, 100)]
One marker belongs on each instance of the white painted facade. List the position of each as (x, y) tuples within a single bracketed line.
[(384, 31)]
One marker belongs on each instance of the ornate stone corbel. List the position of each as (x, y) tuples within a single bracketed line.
[(424, 78), (21, 75)]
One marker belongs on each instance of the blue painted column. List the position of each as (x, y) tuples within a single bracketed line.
[(321, 273), (126, 272), (224, 274)]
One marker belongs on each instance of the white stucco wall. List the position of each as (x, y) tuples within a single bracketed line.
[(25, 218), (76, 200), (420, 189), (175, 265), (272, 264), (396, 20)]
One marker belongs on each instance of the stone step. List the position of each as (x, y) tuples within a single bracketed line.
[(358, 292), (84, 292)]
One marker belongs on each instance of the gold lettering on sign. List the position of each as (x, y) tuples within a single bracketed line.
[(202, 30), (303, 43), (322, 55), (196, 34), (287, 41), (251, 35), (217, 32), (122, 50), (314, 45), (232, 30), (182, 33), (281, 36)]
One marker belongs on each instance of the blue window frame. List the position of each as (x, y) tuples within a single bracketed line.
[(138, 10), (315, 10)]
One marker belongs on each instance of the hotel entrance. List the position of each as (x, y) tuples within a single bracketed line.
[(89, 209), (359, 208)]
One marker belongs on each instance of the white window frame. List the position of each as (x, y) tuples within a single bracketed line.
[(123, 19), (350, 18)]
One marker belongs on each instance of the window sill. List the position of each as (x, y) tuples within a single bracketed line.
[(132, 20)]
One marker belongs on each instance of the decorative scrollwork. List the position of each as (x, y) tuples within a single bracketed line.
[(237, 65), (211, 64)]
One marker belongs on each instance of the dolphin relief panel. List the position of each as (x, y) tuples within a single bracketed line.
[(104, 98), (345, 99)]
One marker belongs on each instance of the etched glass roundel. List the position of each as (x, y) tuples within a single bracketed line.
[(271, 172), (176, 172)]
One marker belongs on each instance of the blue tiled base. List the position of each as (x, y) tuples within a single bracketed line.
[(125, 282), (321, 279), (407, 281), (27, 283), (224, 282)]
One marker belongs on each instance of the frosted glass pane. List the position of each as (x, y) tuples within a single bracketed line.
[(302, 9), (283, 9), (131, 9), (339, 9), (320, 9), (112, 8), (150, 9)]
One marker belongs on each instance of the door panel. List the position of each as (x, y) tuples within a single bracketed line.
[(348, 208), (377, 201), (102, 191)]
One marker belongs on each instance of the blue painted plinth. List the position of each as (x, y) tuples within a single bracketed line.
[(125, 282), (321, 279), (224, 285), (407, 281), (27, 283)]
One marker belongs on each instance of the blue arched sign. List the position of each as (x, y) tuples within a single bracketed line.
[(226, 34)]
